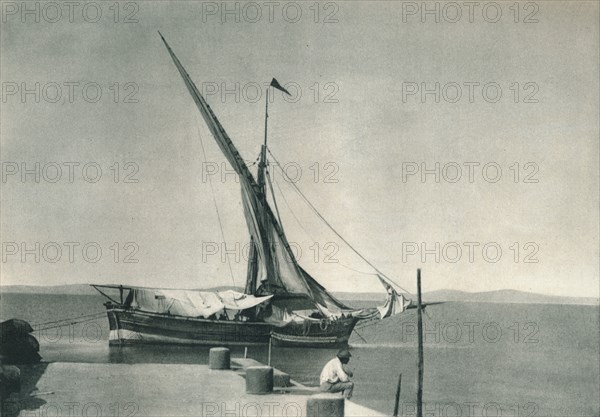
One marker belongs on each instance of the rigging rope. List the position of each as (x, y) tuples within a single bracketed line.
[(403, 318), (292, 211), (331, 227), (68, 318), (67, 322), (360, 272), (309, 235), (216, 207)]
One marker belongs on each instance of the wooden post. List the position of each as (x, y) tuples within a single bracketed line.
[(397, 404), (269, 358), (420, 340)]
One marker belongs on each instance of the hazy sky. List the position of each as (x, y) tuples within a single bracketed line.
[(357, 126)]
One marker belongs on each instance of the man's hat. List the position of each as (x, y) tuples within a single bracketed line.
[(344, 353)]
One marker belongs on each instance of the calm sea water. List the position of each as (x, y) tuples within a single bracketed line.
[(480, 359)]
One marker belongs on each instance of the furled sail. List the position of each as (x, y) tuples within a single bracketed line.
[(277, 266), (395, 303)]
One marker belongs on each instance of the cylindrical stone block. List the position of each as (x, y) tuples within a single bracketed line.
[(259, 379), (325, 405), (218, 358)]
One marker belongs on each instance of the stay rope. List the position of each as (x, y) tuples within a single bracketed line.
[(67, 322), (307, 201), (216, 207), (309, 234)]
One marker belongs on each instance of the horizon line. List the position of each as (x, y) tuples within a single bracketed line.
[(597, 296)]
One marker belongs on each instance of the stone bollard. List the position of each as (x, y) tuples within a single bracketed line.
[(325, 405), (259, 379), (218, 358)]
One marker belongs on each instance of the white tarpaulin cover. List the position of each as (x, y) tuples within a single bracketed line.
[(191, 303)]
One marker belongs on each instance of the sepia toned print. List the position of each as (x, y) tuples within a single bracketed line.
[(299, 208)]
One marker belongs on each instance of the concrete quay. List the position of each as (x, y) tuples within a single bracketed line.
[(119, 390)]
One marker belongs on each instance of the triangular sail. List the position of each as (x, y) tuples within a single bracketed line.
[(276, 264)]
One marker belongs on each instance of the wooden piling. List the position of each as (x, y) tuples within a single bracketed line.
[(420, 340), (270, 344), (397, 402)]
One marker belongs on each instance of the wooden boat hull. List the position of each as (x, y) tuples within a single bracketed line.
[(130, 327)]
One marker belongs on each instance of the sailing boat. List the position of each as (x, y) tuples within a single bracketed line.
[(281, 303)]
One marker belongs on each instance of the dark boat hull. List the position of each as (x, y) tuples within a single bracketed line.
[(137, 327), (130, 327)]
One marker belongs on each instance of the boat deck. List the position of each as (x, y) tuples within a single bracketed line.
[(80, 389)]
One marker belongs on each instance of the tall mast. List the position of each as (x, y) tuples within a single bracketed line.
[(262, 165), (263, 153)]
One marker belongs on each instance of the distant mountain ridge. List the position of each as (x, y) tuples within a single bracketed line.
[(498, 296), (76, 289)]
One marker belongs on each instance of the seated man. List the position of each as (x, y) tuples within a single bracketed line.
[(335, 377)]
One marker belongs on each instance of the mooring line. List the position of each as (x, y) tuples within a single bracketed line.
[(67, 322)]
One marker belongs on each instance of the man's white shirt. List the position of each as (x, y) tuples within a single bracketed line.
[(333, 372)]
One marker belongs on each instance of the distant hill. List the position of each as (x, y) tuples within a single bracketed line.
[(499, 296), (74, 289)]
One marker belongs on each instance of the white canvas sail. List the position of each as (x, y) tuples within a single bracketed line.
[(277, 268), (276, 263)]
